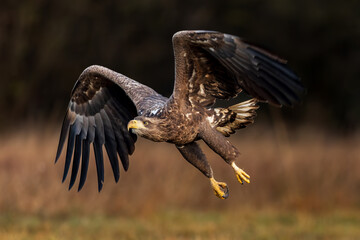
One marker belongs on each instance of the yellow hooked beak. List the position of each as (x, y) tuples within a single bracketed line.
[(135, 124)]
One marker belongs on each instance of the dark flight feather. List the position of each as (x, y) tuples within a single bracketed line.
[(74, 131), (64, 132), (76, 161), (101, 105), (84, 163), (110, 145), (225, 65), (99, 160)]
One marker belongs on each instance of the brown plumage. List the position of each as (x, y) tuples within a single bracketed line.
[(209, 65)]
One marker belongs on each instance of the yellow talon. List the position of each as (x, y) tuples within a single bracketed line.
[(241, 175), (220, 188)]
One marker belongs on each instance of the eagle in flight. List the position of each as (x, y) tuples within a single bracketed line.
[(109, 109)]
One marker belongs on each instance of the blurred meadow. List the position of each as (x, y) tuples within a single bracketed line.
[(304, 162), (303, 187)]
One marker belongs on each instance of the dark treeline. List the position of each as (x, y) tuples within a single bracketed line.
[(45, 45)]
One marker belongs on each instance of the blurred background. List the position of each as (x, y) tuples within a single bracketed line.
[(304, 161)]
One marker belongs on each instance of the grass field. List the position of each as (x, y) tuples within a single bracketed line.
[(176, 224), (304, 185)]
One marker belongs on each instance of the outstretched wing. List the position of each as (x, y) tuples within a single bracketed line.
[(214, 65), (102, 103)]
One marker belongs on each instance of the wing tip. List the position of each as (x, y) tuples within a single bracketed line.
[(64, 178), (56, 159), (72, 181), (81, 185), (70, 186), (117, 176), (100, 186)]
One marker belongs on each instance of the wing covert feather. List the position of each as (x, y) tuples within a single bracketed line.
[(213, 65)]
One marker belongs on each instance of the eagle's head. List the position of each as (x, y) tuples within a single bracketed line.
[(147, 127)]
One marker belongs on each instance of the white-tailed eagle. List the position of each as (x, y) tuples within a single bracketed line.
[(109, 109)]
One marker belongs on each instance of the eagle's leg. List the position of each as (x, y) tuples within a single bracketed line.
[(219, 144), (193, 154)]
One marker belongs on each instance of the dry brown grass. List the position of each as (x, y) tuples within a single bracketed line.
[(304, 170)]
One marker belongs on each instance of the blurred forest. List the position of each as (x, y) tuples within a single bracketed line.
[(45, 45)]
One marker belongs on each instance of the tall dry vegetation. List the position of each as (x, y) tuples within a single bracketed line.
[(306, 169)]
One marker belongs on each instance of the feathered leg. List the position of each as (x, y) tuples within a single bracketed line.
[(194, 155), (219, 144)]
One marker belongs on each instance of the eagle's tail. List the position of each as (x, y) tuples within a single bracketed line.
[(242, 114)]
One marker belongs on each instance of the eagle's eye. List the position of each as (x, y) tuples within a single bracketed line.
[(145, 123)]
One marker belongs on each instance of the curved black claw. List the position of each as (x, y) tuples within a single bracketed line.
[(221, 189), (226, 192)]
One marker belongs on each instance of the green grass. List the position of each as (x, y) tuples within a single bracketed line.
[(176, 224)]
